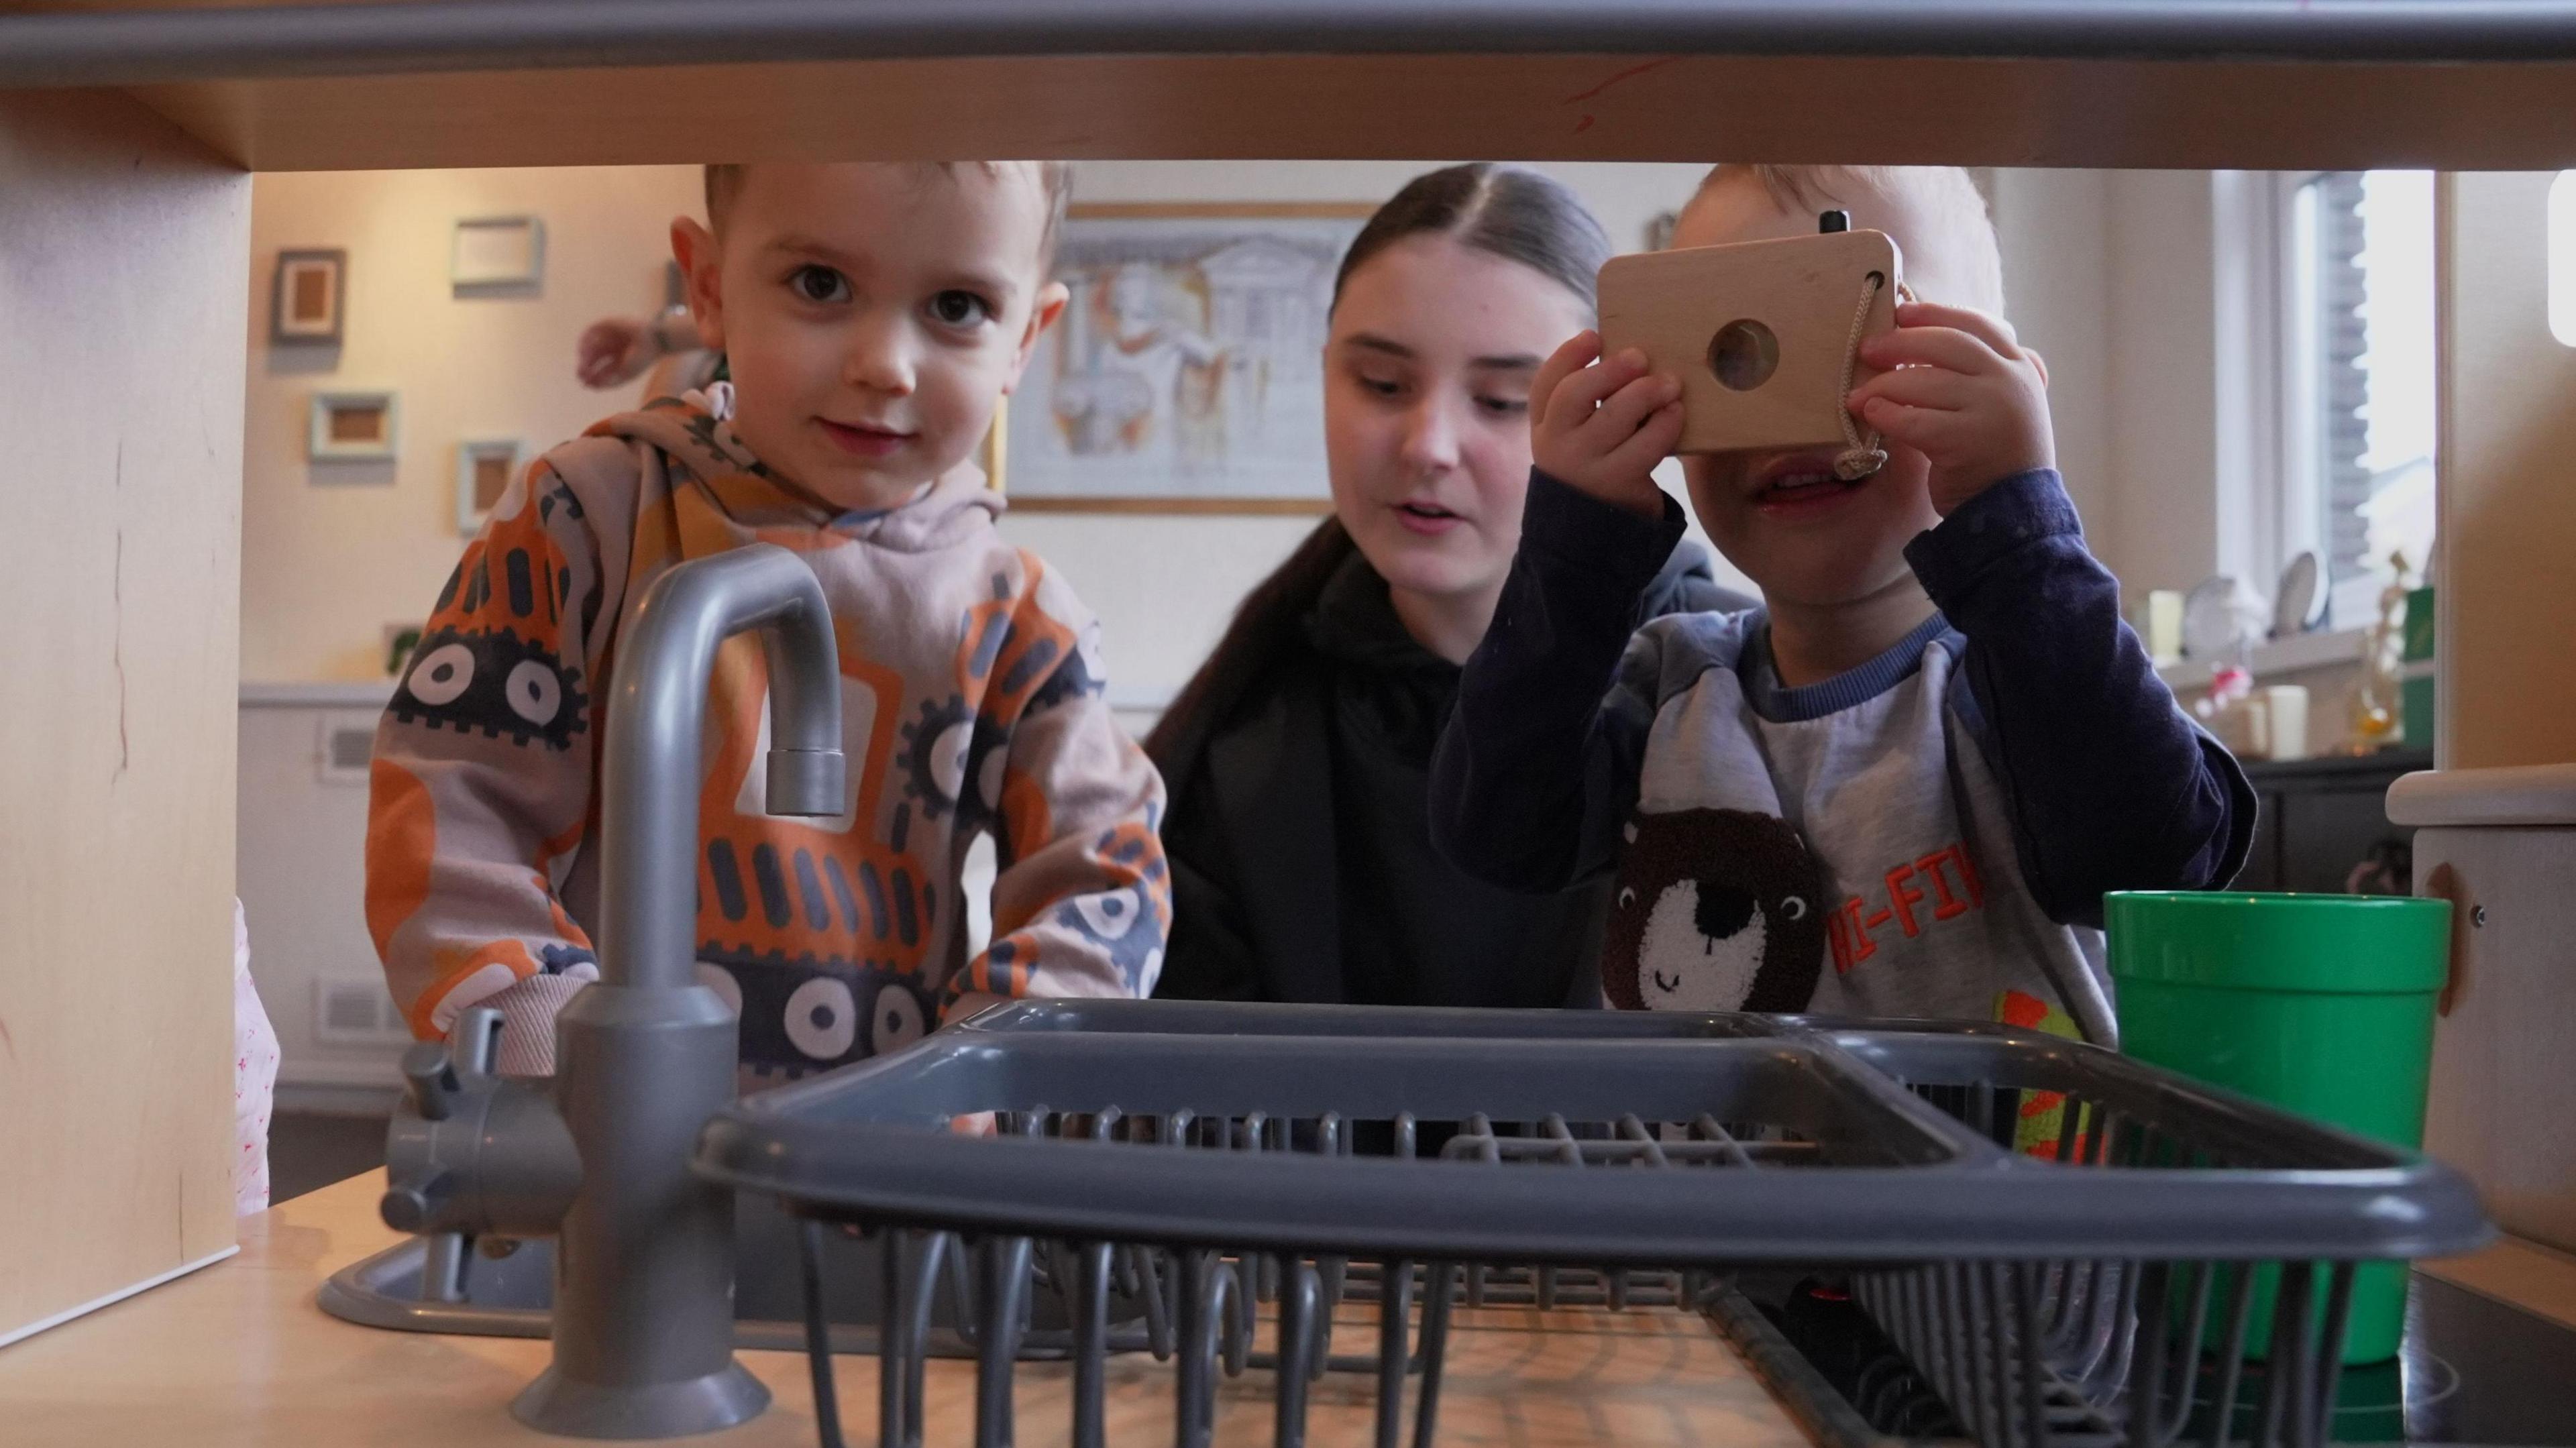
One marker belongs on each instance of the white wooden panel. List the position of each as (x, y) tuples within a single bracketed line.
[(2503, 1073), (123, 248)]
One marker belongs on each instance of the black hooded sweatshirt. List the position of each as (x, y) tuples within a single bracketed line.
[(1299, 833)]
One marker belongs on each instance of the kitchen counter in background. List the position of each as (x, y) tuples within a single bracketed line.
[(2318, 819)]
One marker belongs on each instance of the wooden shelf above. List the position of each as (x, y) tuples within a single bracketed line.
[(2160, 83), (1552, 107)]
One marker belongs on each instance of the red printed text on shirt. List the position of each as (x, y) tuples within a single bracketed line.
[(1915, 896)]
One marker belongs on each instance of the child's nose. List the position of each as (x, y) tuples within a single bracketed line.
[(880, 356)]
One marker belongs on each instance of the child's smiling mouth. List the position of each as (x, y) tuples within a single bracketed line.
[(1801, 487), (864, 440)]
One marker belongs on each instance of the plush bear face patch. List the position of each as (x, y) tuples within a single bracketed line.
[(1717, 910)]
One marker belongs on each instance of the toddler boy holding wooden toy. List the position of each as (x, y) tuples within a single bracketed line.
[(1901, 786)]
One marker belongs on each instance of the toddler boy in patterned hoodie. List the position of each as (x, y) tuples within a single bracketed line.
[(872, 317)]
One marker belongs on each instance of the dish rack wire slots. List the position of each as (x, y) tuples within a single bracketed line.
[(2066, 1247)]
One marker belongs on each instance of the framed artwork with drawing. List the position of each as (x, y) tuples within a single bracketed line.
[(1187, 374)]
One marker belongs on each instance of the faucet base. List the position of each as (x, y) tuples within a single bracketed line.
[(557, 1404)]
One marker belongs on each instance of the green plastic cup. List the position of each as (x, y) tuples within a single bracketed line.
[(2321, 1004)]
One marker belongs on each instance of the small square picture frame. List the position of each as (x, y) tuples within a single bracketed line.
[(485, 468), (497, 254), (311, 292), (354, 426)]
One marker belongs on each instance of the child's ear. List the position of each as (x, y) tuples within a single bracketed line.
[(701, 260), (1042, 315)]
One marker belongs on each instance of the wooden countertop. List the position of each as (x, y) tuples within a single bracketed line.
[(237, 1354)]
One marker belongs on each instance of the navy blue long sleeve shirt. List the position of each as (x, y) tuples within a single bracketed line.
[(2108, 785)]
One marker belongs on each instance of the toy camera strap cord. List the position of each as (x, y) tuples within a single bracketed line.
[(1861, 454)]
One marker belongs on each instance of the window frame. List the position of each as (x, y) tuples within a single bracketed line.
[(2272, 483)]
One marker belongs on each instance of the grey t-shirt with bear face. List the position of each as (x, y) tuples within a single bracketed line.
[(1841, 849), (1930, 834)]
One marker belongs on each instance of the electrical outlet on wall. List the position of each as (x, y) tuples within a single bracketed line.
[(356, 1010), (344, 746)]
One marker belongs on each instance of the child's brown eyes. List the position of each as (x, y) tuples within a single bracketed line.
[(822, 286), (1504, 406), (819, 284), (960, 309)]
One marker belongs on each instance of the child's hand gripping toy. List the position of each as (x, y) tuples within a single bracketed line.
[(1764, 335)]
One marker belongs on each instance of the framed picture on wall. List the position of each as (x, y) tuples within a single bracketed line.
[(497, 254), (484, 471), (1187, 374), (311, 288), (352, 427)]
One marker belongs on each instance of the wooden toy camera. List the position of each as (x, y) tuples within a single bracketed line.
[(1762, 334)]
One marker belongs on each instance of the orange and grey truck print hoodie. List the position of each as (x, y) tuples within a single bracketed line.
[(972, 703)]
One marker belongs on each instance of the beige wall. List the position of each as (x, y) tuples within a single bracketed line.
[(2054, 230), (122, 247), (334, 553), (2162, 326)]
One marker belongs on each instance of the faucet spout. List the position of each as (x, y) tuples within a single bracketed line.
[(657, 721), (643, 1320)]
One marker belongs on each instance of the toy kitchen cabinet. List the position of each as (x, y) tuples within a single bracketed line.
[(2495, 820)]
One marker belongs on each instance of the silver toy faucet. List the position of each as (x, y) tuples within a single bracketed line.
[(599, 1156)]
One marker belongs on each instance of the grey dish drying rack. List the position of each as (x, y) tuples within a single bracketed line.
[(1154, 1169)]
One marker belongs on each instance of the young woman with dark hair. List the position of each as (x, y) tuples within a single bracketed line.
[(1298, 757)]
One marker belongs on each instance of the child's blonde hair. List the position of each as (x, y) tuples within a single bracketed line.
[(1947, 233), (1055, 178)]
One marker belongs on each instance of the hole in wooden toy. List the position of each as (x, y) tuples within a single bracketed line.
[(1743, 354)]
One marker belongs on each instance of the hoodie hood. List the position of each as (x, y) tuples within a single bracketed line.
[(1687, 583), (694, 435), (1355, 621)]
